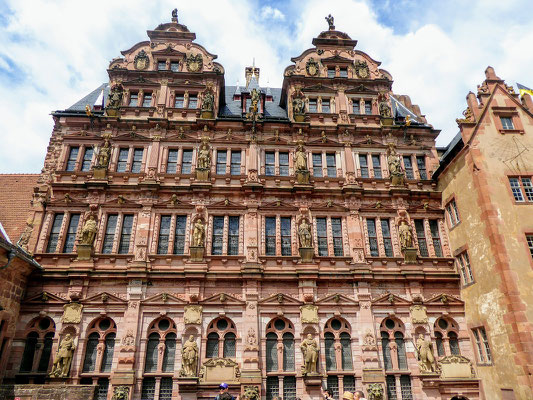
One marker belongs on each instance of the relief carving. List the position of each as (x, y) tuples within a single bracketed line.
[(309, 314), (192, 314), (418, 314), (72, 313)]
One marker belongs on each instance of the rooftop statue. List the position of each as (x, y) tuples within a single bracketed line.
[(330, 20)]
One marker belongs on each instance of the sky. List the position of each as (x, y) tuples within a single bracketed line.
[(54, 52)]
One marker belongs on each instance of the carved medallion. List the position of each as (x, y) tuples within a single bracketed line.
[(72, 313), (194, 62), (309, 314), (312, 67), (361, 69), (141, 60), (193, 315)]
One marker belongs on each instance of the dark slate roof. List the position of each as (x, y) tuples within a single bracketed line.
[(232, 108), (90, 99), (452, 149), (399, 110)]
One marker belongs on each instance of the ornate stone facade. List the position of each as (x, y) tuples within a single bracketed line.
[(205, 231)]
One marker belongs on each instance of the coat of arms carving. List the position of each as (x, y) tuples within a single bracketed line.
[(194, 62), (193, 314), (141, 60), (361, 69), (312, 67), (72, 313)]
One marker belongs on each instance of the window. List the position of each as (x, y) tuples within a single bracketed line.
[(221, 338), (122, 163), (405, 385), (434, 228), (125, 235), (148, 389), (87, 158), (270, 163), (400, 344), (440, 345), (348, 383), (519, 186), (317, 165), (109, 236), (336, 228), (186, 162), (179, 101), (463, 262), (507, 122), (329, 345), (100, 331), (391, 387), (343, 73), (147, 100), (332, 382), (356, 106), (286, 245), (529, 239), (331, 72), (172, 161), (325, 107), (482, 345), (134, 99), (165, 389), (368, 107), (454, 343), (372, 237), (72, 157), (272, 387), (174, 66), (446, 327), (363, 164), (54, 233), (280, 335), (322, 238), (337, 341), (218, 235), (161, 331), (137, 160), (89, 363), (408, 166), (107, 356), (164, 234), (193, 101), (313, 105), (179, 235), (233, 236), (421, 238), (284, 164), (161, 65), (453, 213), (270, 236), (38, 346), (331, 165), (421, 164), (235, 168), (102, 389), (289, 388), (221, 162), (376, 165), (71, 233), (393, 329), (387, 241)]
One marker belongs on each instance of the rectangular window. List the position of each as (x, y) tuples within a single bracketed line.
[(312, 105), (317, 165), (405, 385), (507, 122), (174, 66), (161, 65), (134, 99), (147, 100), (387, 241), (331, 72), (322, 238), (286, 246), (54, 233), (348, 382), (356, 106), (463, 262), (332, 382), (233, 236), (165, 390), (148, 389), (272, 387), (72, 157), (408, 166), (528, 188), (391, 387), (193, 101), (284, 164), (71, 233), (453, 213), (368, 107), (421, 164), (137, 160), (336, 228), (235, 162), (87, 158), (421, 237), (289, 388), (343, 73), (325, 107), (123, 154), (172, 161), (331, 165), (270, 236), (164, 234), (221, 162), (186, 162), (179, 234), (372, 237), (109, 236), (529, 239), (125, 235), (179, 101), (270, 163), (376, 165), (102, 388), (218, 233), (363, 164), (434, 228), (485, 340)]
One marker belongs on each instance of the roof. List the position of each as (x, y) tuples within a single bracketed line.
[(15, 202), (232, 108), (451, 151), (91, 99), (399, 110)]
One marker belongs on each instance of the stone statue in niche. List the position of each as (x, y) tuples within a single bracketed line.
[(424, 352), (300, 158), (198, 235), (204, 155), (115, 96), (406, 235), (310, 352), (189, 357), (63, 358), (384, 110), (208, 104), (88, 232), (304, 234), (395, 165)]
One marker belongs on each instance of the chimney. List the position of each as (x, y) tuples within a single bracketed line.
[(490, 74), (527, 102), (473, 104)]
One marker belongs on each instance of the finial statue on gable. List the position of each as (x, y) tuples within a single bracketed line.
[(175, 15), (330, 20)]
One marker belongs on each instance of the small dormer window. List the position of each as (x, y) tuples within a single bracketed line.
[(193, 101), (331, 72), (134, 99), (344, 73), (161, 65), (312, 105), (174, 66), (147, 100)]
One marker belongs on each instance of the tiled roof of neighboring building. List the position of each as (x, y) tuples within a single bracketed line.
[(15, 197)]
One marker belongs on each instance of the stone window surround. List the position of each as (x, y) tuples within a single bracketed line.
[(345, 328), (225, 234), (155, 237), (79, 159), (452, 213), (294, 243), (212, 328), (179, 163), (319, 97), (459, 255), (47, 227), (453, 326), (186, 102), (338, 163), (522, 188), (167, 61), (289, 328), (369, 154), (115, 153), (362, 99), (429, 238), (141, 92), (339, 158), (379, 234), (92, 327), (475, 345), (329, 234), (228, 151), (509, 112), (33, 326), (399, 327), (154, 328), (102, 225)]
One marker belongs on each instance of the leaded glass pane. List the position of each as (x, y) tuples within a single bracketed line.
[(528, 188), (421, 237), (229, 345), (272, 387), (332, 383), (186, 162), (270, 163), (372, 237), (486, 343), (102, 388), (137, 160), (179, 101), (87, 158), (434, 227), (405, 384), (46, 352), (284, 164), (109, 236), (123, 159), (235, 163), (193, 101), (391, 387), (368, 107), (346, 347), (325, 106), (421, 163), (179, 236), (363, 164), (454, 344), (317, 165), (322, 238), (408, 165), (386, 350), (286, 246), (402, 356), (329, 344), (71, 233), (165, 390), (151, 353), (440, 345), (271, 352), (313, 105), (348, 382), (376, 164), (164, 234), (233, 236), (289, 388), (331, 165), (107, 357), (211, 347), (507, 122), (73, 155), (54, 233), (147, 100), (356, 106), (172, 161), (387, 241), (218, 231), (148, 389), (170, 353), (125, 236), (134, 99), (89, 364), (288, 352), (336, 228), (270, 236), (221, 162)]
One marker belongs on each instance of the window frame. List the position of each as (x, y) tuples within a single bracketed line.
[(452, 213), (230, 328), (482, 346)]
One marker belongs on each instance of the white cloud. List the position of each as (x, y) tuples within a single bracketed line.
[(62, 50)]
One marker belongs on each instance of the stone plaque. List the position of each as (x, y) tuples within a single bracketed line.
[(72, 313), (418, 315), (218, 370), (193, 314), (453, 367), (373, 375), (309, 314)]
